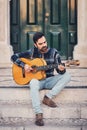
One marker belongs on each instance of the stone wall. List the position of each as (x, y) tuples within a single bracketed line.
[(80, 51), (5, 48)]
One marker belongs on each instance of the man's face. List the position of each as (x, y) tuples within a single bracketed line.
[(41, 44)]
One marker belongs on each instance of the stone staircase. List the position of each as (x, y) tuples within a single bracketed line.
[(16, 109)]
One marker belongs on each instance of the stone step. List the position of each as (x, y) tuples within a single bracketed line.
[(22, 95), (63, 111), (78, 78), (20, 117), (46, 127), (16, 107)]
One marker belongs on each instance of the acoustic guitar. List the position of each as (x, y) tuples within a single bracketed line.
[(39, 67)]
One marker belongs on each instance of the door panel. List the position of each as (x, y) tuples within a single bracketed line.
[(30, 21), (56, 18), (56, 26), (14, 25)]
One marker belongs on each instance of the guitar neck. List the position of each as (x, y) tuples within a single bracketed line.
[(47, 67)]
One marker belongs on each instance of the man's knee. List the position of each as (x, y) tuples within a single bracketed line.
[(67, 76), (34, 84)]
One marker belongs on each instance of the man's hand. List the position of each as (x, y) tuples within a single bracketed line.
[(28, 68), (61, 68)]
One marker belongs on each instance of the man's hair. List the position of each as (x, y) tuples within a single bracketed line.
[(37, 36)]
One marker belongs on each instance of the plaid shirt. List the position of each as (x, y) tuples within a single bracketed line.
[(51, 57)]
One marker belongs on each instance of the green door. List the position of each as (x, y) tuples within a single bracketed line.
[(56, 25), (49, 16)]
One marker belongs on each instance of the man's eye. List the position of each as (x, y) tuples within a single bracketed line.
[(40, 43)]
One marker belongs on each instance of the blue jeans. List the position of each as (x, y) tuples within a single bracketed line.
[(55, 84)]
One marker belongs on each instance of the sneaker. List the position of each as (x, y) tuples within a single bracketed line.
[(39, 119), (49, 102)]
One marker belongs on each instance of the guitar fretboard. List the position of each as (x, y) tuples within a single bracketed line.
[(46, 67)]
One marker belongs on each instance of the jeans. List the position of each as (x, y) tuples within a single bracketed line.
[(55, 84)]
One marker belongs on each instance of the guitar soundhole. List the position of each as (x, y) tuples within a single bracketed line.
[(23, 72)]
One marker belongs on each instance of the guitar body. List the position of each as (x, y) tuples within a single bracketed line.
[(23, 78)]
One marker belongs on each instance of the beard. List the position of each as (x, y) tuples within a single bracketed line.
[(44, 49)]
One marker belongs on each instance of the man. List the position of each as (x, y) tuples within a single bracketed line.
[(55, 83)]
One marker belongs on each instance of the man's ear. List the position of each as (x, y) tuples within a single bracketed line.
[(35, 45)]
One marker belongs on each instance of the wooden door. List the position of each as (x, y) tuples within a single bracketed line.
[(56, 18)]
